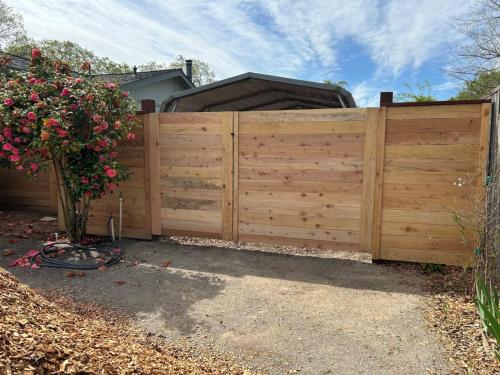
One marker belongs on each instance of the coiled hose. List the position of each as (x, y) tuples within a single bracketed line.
[(109, 250)]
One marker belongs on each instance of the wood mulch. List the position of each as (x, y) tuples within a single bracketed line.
[(38, 336), (452, 315)]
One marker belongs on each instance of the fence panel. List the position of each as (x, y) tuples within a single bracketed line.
[(196, 174), (300, 177), (432, 158)]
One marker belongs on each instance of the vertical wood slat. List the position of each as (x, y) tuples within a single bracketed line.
[(370, 149), (236, 163), (152, 168), (379, 184), (484, 143), (228, 168), (53, 189)]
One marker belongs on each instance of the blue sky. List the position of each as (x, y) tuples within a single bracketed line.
[(373, 45)]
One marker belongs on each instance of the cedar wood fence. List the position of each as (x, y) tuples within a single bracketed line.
[(386, 181)]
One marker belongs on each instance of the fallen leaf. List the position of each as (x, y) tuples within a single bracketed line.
[(120, 282), (166, 264), (13, 240), (70, 274), (8, 252), (81, 274), (102, 268)]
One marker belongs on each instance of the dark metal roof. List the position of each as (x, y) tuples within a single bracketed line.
[(254, 91), (17, 62), (134, 79)]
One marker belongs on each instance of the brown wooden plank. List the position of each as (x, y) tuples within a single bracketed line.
[(433, 138), (379, 184), (302, 186), (428, 256), (461, 152), (418, 216), (484, 148), (227, 176), (152, 175), (236, 175), (313, 220), (371, 147), (298, 127), (425, 125), (433, 112), (315, 115), (269, 174)]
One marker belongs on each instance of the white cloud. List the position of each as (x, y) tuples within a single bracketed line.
[(366, 95), (303, 39)]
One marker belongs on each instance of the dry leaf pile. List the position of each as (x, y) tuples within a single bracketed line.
[(451, 313), (38, 336)]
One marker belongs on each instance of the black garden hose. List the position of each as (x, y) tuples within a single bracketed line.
[(107, 250)]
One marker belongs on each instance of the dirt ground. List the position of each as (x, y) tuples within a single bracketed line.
[(276, 313)]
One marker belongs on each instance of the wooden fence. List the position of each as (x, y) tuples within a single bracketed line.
[(387, 181)]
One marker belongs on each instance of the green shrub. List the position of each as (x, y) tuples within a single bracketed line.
[(489, 311)]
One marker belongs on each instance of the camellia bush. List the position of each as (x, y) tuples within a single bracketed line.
[(52, 116)]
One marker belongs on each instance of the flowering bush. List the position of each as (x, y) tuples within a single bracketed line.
[(50, 116)]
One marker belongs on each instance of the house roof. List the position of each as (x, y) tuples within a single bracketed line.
[(254, 91), (17, 62), (138, 79)]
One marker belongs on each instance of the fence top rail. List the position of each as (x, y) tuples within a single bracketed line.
[(441, 102)]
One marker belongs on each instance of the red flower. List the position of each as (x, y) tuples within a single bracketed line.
[(111, 173), (35, 52), (61, 132), (34, 167), (65, 92), (130, 136), (84, 180), (8, 102), (103, 143), (34, 97), (104, 125), (7, 147), (31, 116), (14, 158)]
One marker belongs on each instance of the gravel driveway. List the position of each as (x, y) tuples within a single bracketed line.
[(275, 313)]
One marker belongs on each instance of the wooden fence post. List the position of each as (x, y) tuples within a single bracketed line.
[(152, 171), (373, 163), (236, 166), (228, 169)]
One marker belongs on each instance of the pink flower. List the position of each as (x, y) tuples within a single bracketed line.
[(87, 194), (34, 167), (61, 132), (102, 158), (84, 180), (35, 52), (15, 151), (7, 147), (125, 94), (7, 133), (97, 148), (97, 129), (118, 124), (65, 92), (111, 173), (32, 81), (90, 98), (34, 266), (130, 136), (112, 186), (25, 130), (73, 106), (8, 102), (34, 97), (97, 119), (113, 154), (103, 143), (110, 85), (20, 167), (14, 158), (31, 116), (104, 125)]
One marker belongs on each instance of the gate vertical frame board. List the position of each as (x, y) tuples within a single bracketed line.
[(228, 175), (371, 149), (152, 165), (236, 168), (379, 184)]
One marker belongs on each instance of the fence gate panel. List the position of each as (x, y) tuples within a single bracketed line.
[(300, 177), (432, 158), (196, 174)]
